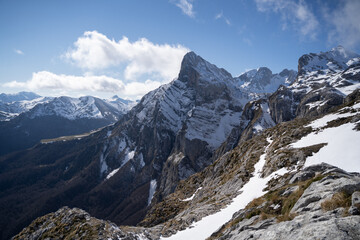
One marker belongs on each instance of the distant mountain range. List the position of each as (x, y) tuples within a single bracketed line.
[(190, 157), (27, 117)]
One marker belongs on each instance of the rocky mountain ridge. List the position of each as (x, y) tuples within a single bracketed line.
[(262, 80), (126, 170)]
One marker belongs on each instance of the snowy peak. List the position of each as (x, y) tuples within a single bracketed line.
[(11, 108), (262, 80), (205, 70), (337, 59)]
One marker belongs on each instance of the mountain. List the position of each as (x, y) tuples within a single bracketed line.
[(323, 81), (10, 107), (269, 187), (184, 152), (262, 80), (43, 118), (274, 185), (170, 134), (16, 97)]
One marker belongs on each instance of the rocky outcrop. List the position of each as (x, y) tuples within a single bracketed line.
[(73, 223), (315, 214)]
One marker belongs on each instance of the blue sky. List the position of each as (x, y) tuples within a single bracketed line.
[(129, 47)]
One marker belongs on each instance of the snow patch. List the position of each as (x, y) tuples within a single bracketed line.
[(152, 190), (192, 197), (342, 149), (129, 156), (321, 122), (141, 160), (112, 173)]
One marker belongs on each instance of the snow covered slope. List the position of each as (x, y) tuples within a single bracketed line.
[(337, 68)]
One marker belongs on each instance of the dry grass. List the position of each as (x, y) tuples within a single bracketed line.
[(339, 199)]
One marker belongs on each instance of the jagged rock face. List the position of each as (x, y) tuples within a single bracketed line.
[(262, 80)]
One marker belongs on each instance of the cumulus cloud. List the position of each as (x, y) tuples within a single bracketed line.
[(294, 13), (221, 16), (18, 51), (94, 51), (87, 83), (186, 7), (346, 23)]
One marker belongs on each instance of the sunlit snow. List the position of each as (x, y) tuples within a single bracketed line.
[(342, 149)]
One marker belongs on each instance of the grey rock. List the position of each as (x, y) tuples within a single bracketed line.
[(302, 176), (323, 189), (290, 190), (355, 199), (353, 211), (303, 228)]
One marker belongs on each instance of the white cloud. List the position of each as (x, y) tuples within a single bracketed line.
[(136, 90), (186, 7), (69, 84), (48, 80), (346, 23), (18, 51), (221, 16), (95, 51), (296, 13)]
